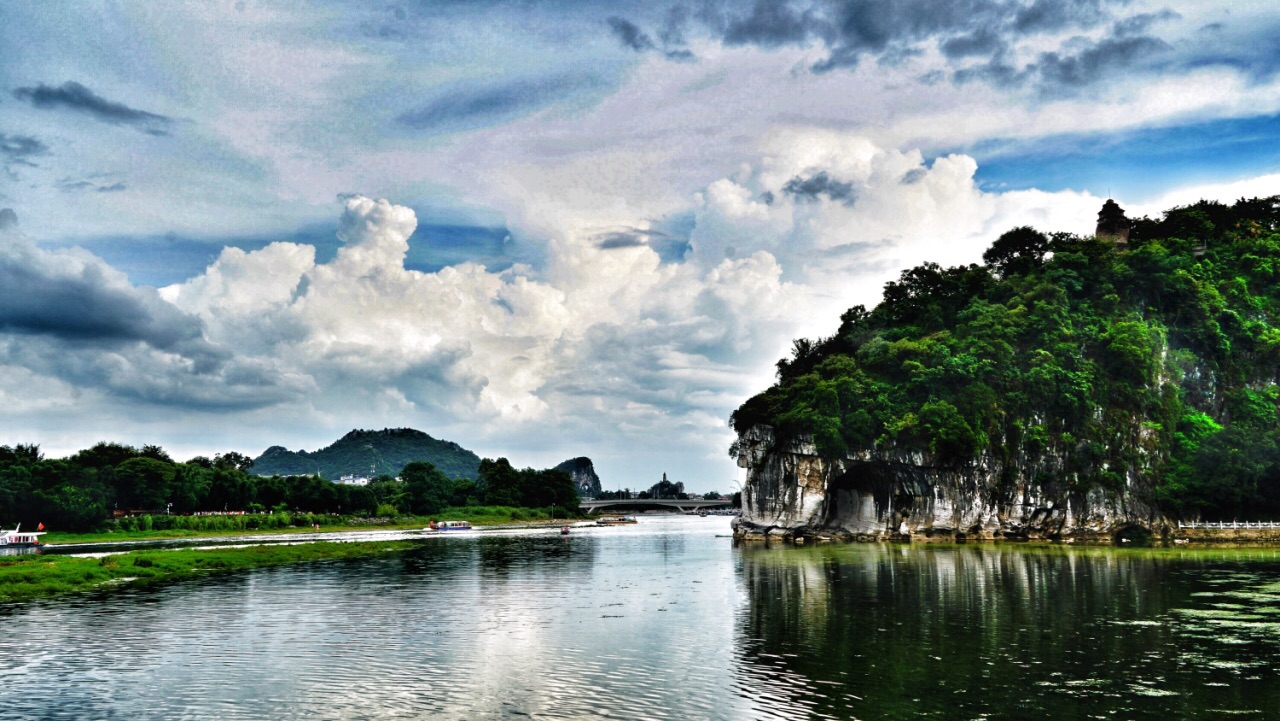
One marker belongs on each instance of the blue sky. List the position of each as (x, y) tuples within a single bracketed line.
[(546, 230), (1137, 163)]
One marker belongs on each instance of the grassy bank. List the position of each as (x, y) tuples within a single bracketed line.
[(27, 577), (139, 529)]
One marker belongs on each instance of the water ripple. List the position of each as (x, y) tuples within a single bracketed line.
[(664, 621)]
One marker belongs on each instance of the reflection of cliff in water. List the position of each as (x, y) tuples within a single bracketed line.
[(887, 632)]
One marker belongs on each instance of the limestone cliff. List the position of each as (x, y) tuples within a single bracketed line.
[(1068, 387), (584, 476), (794, 492)]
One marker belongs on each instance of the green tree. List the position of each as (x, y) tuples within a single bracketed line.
[(104, 455), (144, 483), (548, 489), (230, 490), (232, 461), (70, 508), (948, 434), (429, 490), (501, 483), (1017, 251)]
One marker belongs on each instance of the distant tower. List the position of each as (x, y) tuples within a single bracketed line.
[(1113, 224)]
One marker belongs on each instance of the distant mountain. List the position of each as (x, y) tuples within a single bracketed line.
[(584, 476), (380, 452)]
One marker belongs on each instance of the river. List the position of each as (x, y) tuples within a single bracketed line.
[(667, 620)]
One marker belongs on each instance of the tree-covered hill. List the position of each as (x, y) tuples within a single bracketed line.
[(1154, 363), (384, 452), (80, 492)]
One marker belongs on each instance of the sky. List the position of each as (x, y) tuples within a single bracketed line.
[(549, 230)]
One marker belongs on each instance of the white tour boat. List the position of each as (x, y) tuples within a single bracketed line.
[(449, 526), (18, 539)]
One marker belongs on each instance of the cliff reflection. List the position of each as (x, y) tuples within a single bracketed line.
[(1007, 632)]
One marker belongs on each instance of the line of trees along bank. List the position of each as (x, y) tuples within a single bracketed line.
[(80, 492)]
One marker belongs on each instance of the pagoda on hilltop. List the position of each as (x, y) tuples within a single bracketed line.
[(1113, 223)]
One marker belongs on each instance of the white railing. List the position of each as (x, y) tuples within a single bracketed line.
[(1230, 524)]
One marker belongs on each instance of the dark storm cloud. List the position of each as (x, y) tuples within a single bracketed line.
[(1139, 24), (983, 41), (465, 108), (820, 184), (850, 29), (1096, 61), (67, 314), (1054, 15), (673, 27), (630, 35), (995, 71), (671, 35), (625, 238), (140, 374), (613, 241), (75, 296), (77, 98), (70, 186), (771, 24), (19, 149), (896, 31)]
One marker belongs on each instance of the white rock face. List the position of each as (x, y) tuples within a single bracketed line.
[(794, 492)]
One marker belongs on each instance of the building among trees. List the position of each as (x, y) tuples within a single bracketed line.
[(1113, 223)]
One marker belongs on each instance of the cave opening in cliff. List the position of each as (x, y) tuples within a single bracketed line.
[(861, 499), (1134, 534)]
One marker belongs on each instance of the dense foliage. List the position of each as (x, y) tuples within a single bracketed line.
[(371, 453), (1068, 361), (81, 492)]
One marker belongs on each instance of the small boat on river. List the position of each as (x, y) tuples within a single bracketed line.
[(17, 539), (616, 521), (448, 526)]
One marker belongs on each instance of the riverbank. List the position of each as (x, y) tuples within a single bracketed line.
[(487, 516), (23, 578)]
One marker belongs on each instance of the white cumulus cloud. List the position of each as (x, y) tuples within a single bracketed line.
[(604, 349)]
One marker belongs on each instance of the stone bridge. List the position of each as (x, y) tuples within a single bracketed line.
[(636, 504)]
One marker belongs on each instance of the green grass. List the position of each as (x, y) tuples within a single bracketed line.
[(23, 578)]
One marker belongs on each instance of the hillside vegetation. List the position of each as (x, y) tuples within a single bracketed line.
[(1154, 364), (80, 492), (384, 452)]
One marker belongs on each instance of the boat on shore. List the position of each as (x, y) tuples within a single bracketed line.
[(616, 521), (449, 526), (17, 539)]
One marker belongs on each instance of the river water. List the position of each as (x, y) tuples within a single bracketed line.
[(667, 620)]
